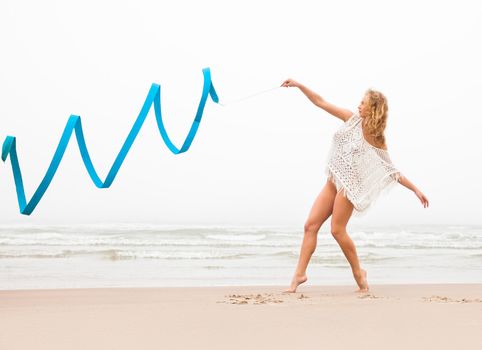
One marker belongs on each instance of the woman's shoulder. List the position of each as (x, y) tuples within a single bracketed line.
[(372, 141), (352, 119)]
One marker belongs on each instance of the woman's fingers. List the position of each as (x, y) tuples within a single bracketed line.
[(288, 83), (426, 201), (423, 199)]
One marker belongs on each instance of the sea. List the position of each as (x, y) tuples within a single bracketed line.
[(144, 255)]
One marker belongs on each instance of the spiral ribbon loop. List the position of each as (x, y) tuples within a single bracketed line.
[(74, 123)]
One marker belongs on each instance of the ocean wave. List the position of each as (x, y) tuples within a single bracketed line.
[(224, 241), (237, 237), (154, 242), (144, 243), (125, 255), (45, 254)]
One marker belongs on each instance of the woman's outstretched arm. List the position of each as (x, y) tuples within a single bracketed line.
[(342, 113), (406, 182)]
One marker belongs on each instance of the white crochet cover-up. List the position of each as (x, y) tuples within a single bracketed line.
[(357, 168)]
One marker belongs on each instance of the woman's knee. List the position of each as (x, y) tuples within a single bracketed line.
[(337, 230), (312, 227)]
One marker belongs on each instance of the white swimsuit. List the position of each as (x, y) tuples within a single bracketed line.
[(357, 168)]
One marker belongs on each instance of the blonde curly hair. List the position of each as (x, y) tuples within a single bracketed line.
[(376, 119)]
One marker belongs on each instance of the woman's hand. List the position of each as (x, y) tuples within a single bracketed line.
[(290, 83), (406, 182), (422, 198)]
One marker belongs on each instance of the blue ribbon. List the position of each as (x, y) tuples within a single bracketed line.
[(74, 123)]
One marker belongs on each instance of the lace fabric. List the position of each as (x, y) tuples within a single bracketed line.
[(357, 168)]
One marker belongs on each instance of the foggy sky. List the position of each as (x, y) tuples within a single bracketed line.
[(256, 162)]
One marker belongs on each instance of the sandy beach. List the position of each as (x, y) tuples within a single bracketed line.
[(418, 316)]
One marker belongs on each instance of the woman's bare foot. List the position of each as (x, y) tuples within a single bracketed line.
[(295, 282), (361, 280)]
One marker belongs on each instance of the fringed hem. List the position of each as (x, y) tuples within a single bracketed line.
[(359, 211), (340, 187), (374, 195)]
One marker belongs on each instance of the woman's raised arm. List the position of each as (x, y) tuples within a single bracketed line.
[(341, 113)]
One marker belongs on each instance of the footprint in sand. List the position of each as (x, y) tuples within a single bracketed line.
[(442, 299), (371, 296), (255, 299), (368, 296)]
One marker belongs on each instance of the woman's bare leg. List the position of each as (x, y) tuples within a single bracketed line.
[(342, 210), (320, 212)]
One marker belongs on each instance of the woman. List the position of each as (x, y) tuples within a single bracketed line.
[(358, 170)]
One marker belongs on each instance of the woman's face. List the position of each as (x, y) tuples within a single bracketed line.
[(363, 107)]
